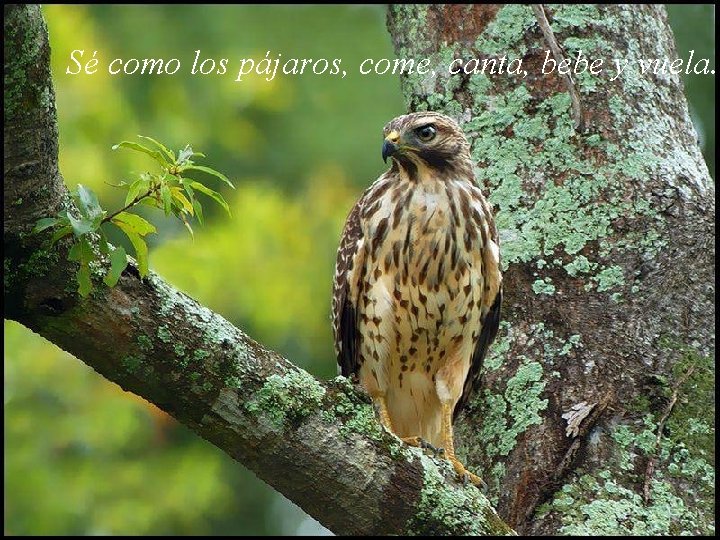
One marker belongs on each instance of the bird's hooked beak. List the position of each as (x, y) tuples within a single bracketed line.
[(390, 145)]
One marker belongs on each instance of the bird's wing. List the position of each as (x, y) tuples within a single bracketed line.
[(344, 306), (490, 311)]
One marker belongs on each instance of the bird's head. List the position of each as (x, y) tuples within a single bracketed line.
[(426, 140)]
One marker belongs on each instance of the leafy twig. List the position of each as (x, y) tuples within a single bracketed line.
[(132, 203), (170, 190)]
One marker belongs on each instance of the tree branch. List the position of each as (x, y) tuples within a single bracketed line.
[(318, 444), (136, 200), (650, 468), (551, 41)]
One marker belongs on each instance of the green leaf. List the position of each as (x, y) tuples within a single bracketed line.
[(152, 202), (74, 253), (169, 179), (134, 223), (210, 193), (208, 170), (61, 233), (122, 183), (82, 226), (166, 198), (164, 149), (141, 185), (141, 249), (118, 262), (44, 223), (84, 281), (186, 184), (182, 201), (198, 211), (184, 155), (88, 203), (103, 244), (157, 156), (83, 253)]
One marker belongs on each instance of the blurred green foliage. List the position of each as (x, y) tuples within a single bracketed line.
[(81, 455), (694, 28)]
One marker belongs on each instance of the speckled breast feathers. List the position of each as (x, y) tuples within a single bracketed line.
[(417, 286)]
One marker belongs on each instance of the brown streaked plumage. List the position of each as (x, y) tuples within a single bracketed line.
[(417, 289)]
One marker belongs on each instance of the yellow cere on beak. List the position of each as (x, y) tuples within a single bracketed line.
[(390, 145)]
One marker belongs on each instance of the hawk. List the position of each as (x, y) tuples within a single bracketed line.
[(417, 287)]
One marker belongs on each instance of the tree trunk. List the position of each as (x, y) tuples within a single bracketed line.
[(597, 409)]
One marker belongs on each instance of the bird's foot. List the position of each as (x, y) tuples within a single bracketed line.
[(422, 443), (465, 475)]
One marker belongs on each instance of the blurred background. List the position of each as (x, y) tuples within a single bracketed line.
[(84, 457)]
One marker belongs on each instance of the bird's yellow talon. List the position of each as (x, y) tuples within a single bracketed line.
[(413, 441), (419, 442), (466, 475)]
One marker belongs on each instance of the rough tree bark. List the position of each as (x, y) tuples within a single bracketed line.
[(594, 416), (597, 413)]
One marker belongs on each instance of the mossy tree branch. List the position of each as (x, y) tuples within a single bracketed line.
[(318, 444)]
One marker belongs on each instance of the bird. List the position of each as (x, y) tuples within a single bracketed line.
[(417, 289)]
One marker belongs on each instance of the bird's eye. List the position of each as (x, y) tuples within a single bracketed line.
[(426, 133)]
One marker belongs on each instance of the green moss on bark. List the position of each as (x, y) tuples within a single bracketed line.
[(287, 398), (460, 508), (681, 484), (25, 29), (508, 415)]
